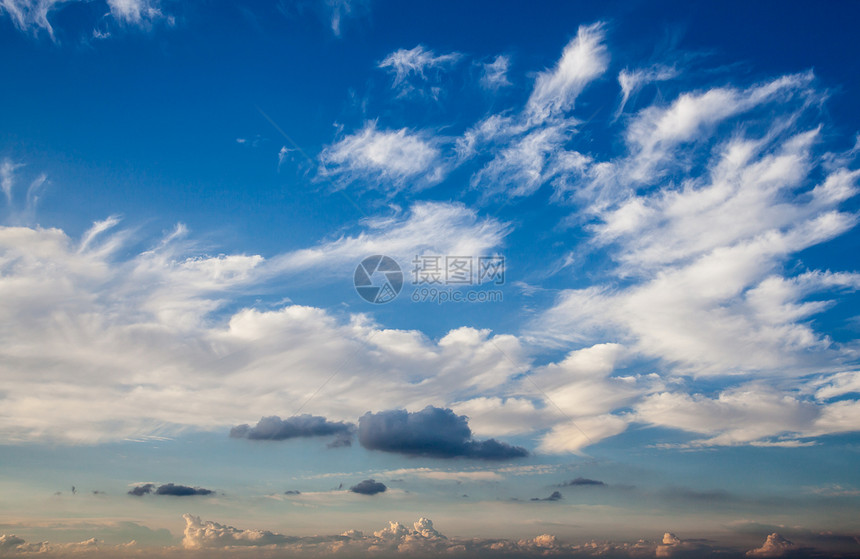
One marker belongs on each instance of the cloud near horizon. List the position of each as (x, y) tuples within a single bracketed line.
[(170, 489)]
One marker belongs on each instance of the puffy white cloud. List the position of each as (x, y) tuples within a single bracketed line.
[(204, 534), (78, 318), (774, 546), (392, 158)]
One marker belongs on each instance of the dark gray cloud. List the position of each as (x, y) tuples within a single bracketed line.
[(434, 432), (582, 481), (341, 441), (556, 496), (274, 428), (169, 489), (368, 487), (292, 492), (182, 490), (142, 490)]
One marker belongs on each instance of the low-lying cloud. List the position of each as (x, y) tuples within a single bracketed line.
[(555, 496), (582, 482), (368, 487), (171, 489)]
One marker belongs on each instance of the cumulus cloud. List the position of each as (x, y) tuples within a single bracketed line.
[(368, 487), (422, 538), (276, 429), (774, 546), (92, 302), (200, 534), (391, 158), (434, 432), (14, 546)]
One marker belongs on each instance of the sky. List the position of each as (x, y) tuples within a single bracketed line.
[(370, 278)]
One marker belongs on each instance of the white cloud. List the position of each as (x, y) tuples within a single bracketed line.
[(341, 10), (528, 148), (702, 257), (632, 81), (135, 12), (522, 167), (833, 386), (414, 67), (422, 538), (77, 319), (392, 159), (495, 416), (495, 74), (774, 546), (200, 534), (7, 177), (584, 59), (428, 227), (655, 133), (573, 436), (737, 416), (33, 15)]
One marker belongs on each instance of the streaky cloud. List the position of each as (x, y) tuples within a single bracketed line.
[(274, 428)]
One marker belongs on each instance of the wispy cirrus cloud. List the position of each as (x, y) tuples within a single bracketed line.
[(34, 16), (584, 59), (418, 70), (494, 75), (631, 81), (393, 160)]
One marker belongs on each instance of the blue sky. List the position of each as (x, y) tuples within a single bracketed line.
[(670, 191)]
